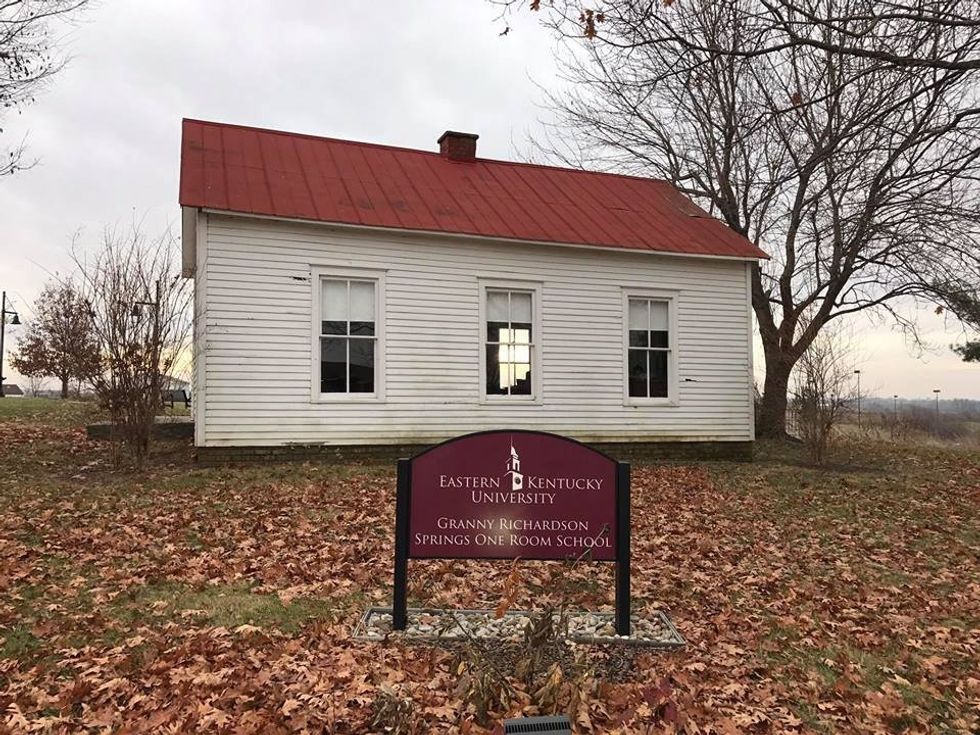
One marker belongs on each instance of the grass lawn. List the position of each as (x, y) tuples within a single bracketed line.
[(48, 411), (186, 599)]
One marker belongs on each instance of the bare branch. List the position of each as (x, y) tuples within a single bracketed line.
[(857, 175), (28, 58)]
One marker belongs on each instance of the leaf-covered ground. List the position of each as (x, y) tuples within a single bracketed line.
[(221, 600)]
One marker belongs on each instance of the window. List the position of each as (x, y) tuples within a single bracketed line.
[(348, 336), (510, 342), (649, 361)]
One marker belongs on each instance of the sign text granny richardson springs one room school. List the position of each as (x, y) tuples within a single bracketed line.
[(513, 494)]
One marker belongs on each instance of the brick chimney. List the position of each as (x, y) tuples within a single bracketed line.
[(458, 146)]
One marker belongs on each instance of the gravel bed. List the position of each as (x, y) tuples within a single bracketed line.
[(454, 625)]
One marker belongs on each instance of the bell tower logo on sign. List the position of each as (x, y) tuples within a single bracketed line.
[(514, 470)]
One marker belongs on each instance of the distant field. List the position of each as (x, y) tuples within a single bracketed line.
[(954, 432), (64, 413), (189, 599), (49, 410)]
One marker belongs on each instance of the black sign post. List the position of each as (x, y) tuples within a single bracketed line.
[(399, 609), (622, 548), (472, 448)]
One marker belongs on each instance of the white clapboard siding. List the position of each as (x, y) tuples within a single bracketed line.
[(254, 327)]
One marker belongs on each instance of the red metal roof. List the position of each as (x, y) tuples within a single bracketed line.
[(268, 172)]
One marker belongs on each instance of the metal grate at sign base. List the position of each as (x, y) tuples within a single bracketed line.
[(434, 624), (556, 725)]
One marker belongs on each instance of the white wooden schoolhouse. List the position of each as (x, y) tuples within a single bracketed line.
[(358, 295)]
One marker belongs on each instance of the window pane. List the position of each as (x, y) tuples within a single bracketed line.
[(333, 327), (494, 384), (638, 338), (521, 378), (333, 365), (520, 307), (362, 329), (638, 373), (659, 339), (362, 301), (497, 306), (498, 332), (520, 353), (638, 315), (658, 316), (333, 301), (506, 376), (362, 365), (658, 374), (520, 333)]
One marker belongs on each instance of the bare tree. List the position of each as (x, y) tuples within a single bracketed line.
[(28, 56), (34, 383), (894, 32), (139, 309), (903, 31), (858, 177), (822, 392), (59, 342)]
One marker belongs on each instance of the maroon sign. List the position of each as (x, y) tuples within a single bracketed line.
[(509, 494), (512, 494)]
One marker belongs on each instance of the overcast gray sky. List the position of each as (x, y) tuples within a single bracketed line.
[(106, 132)]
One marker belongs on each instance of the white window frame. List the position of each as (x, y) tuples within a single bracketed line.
[(537, 342), (671, 299), (319, 274)]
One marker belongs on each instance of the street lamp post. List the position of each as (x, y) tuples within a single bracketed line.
[(936, 391), (156, 312), (895, 427), (858, 373), (4, 313), (156, 329)]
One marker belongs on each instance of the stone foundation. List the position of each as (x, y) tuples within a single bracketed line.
[(623, 451)]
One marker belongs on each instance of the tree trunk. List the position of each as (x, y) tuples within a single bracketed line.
[(771, 420), (64, 387)]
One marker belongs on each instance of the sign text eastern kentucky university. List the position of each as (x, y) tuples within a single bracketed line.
[(508, 495)]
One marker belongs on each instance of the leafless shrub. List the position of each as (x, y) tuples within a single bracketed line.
[(912, 423), (874, 427), (898, 428), (822, 392), (893, 425), (34, 384), (921, 420), (481, 685), (556, 677), (394, 712), (139, 307)]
